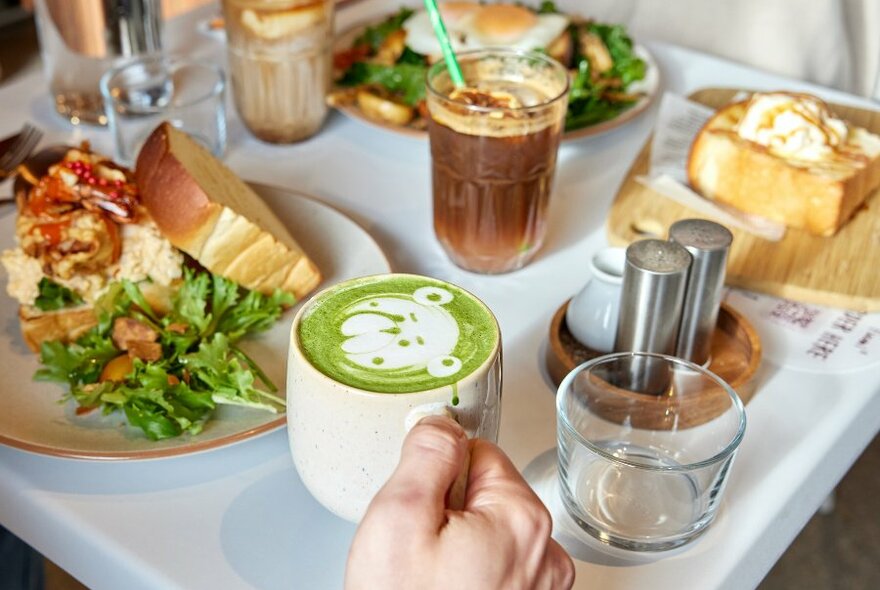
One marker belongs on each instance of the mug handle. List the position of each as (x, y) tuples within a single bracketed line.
[(458, 490)]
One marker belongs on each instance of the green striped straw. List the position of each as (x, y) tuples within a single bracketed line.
[(443, 38)]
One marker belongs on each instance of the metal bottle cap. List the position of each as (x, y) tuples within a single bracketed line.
[(651, 301), (708, 243)]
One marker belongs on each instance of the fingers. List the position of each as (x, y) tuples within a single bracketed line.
[(497, 490), (557, 569), (494, 480), (432, 456)]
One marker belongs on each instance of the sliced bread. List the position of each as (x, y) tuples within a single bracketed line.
[(205, 210)]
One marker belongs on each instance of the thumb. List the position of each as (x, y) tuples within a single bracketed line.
[(432, 456)]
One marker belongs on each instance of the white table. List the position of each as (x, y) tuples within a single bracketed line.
[(240, 518)]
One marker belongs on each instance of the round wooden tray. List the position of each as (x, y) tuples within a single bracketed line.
[(736, 351)]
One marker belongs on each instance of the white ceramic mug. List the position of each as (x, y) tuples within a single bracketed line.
[(346, 440)]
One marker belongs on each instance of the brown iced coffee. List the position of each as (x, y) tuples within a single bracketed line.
[(279, 64), (493, 153)]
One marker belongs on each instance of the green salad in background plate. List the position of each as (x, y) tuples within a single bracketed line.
[(380, 67)]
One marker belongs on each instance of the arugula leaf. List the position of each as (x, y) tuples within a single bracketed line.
[(255, 368), (255, 313), (61, 363), (215, 370), (191, 300), (224, 296), (54, 296), (200, 368), (586, 103), (152, 403), (134, 294), (627, 66), (374, 36), (411, 57), (406, 80), (76, 363), (114, 303), (155, 424)]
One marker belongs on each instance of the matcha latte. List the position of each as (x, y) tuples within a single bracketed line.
[(397, 334), (370, 357)]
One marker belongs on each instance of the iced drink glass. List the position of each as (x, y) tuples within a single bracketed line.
[(279, 65), (493, 155)]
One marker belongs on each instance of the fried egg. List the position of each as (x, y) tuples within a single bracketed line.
[(474, 26)]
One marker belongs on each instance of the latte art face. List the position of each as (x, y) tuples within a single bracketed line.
[(396, 335)]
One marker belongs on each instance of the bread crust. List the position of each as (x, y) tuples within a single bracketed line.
[(205, 210), (819, 198), (66, 325)]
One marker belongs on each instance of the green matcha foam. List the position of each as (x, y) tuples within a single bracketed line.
[(397, 333)]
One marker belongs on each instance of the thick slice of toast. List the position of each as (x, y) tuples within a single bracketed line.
[(816, 196), (204, 209)]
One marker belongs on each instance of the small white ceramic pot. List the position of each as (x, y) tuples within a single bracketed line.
[(592, 314)]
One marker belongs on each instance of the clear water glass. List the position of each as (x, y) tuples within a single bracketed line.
[(142, 93), (82, 39), (645, 471)]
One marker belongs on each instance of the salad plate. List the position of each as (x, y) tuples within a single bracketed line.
[(35, 420), (647, 89)]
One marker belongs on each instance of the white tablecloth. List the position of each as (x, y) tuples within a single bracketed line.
[(240, 518)]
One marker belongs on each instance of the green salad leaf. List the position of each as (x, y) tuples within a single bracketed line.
[(405, 79), (588, 103), (54, 296), (627, 66), (78, 363), (547, 7), (200, 365), (375, 35)]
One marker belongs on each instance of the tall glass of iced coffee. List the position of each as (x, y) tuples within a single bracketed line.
[(493, 154), (279, 65)]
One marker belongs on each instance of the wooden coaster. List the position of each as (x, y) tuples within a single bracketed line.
[(736, 355)]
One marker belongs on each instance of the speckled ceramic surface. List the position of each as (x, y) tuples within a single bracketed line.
[(346, 441), (33, 419)]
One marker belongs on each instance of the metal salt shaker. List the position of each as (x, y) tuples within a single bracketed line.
[(708, 243), (651, 303)]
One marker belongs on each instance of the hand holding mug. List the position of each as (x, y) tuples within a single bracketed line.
[(409, 538)]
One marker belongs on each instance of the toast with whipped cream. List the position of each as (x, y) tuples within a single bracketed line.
[(786, 157)]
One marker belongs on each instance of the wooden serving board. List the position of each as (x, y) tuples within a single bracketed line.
[(841, 271)]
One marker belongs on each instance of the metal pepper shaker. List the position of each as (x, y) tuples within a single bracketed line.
[(708, 243), (651, 302)]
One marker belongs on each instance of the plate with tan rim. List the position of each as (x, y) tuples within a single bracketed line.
[(35, 419), (648, 88)]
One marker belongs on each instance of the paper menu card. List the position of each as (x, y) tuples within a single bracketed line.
[(808, 337)]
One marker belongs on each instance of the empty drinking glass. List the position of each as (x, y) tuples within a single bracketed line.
[(140, 94), (644, 471)]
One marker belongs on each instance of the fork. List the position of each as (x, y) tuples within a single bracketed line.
[(17, 148)]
